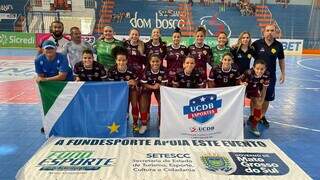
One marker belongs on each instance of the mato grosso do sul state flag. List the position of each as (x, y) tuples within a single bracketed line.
[(84, 109), (214, 113)]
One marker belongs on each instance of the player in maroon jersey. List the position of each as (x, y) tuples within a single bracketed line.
[(135, 48), (175, 56), (225, 74), (154, 76), (122, 72), (257, 80), (155, 45), (189, 77), (201, 52)]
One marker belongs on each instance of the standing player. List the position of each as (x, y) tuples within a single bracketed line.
[(74, 48), (88, 69), (257, 80), (154, 76), (175, 55), (220, 49), (269, 49), (122, 72), (56, 35), (243, 52), (155, 45), (189, 77), (135, 48), (201, 52), (104, 45), (225, 74)]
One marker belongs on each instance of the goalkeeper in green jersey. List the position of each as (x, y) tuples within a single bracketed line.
[(104, 45)]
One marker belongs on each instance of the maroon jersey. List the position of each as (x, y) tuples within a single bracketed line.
[(152, 49), (202, 55), (174, 58), (151, 78), (255, 83), (96, 73), (115, 75), (185, 81), (136, 60), (223, 78)]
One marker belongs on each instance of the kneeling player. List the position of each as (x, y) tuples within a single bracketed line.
[(224, 75), (189, 77), (88, 69)]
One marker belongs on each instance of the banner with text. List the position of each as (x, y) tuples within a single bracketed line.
[(117, 159), (17, 40), (202, 113)]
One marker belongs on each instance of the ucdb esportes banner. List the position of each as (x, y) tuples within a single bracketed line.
[(214, 113)]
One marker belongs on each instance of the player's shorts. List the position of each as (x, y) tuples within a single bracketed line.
[(270, 94)]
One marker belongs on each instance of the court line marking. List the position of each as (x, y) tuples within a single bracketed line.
[(311, 80), (297, 88), (296, 126), (12, 98), (307, 67)]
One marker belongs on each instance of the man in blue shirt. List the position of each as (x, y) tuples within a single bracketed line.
[(52, 66), (270, 50)]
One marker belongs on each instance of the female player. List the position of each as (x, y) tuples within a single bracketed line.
[(221, 48)]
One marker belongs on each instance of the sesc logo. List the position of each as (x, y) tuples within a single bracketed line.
[(202, 108)]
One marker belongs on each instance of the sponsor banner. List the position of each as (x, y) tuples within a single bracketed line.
[(17, 40), (202, 113), (292, 46), (116, 159)]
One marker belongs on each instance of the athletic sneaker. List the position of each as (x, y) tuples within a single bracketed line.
[(255, 131), (142, 129), (250, 119), (42, 130), (265, 122), (135, 128)]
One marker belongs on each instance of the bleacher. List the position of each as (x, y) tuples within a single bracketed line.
[(17, 8), (293, 20), (231, 16)]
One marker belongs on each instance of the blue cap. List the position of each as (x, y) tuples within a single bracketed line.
[(48, 44)]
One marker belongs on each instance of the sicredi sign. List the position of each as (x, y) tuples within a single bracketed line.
[(17, 40)]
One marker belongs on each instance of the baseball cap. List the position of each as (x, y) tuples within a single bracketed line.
[(48, 44)]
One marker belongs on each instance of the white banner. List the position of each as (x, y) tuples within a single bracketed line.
[(215, 113), (150, 159)]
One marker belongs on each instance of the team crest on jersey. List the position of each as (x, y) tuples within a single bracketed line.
[(202, 108), (182, 52), (273, 51), (217, 163), (249, 56), (160, 78), (204, 52), (127, 77), (113, 46), (96, 74)]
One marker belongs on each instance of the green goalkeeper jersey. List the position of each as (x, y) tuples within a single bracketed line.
[(103, 50), (218, 53)]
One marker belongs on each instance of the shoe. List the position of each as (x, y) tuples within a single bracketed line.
[(265, 122), (250, 119), (42, 130), (255, 132), (135, 128), (142, 129)]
